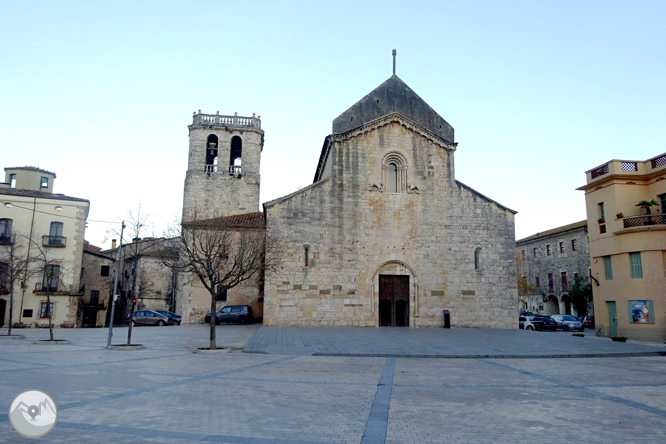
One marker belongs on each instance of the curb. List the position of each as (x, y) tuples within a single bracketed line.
[(557, 356)]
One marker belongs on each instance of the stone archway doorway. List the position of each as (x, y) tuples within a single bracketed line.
[(393, 300), (551, 306)]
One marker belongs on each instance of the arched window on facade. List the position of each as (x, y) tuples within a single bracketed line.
[(477, 258), (211, 153), (235, 155), (394, 173)]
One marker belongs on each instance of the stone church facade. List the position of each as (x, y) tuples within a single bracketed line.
[(385, 235)]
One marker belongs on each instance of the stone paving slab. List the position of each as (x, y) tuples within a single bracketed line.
[(440, 343), (168, 394)]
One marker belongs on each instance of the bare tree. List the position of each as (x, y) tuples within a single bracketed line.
[(131, 253), (14, 268), (52, 281), (222, 254)]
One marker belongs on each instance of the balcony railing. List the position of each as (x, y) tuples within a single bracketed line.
[(233, 169), (51, 288), (54, 241), (648, 219), (217, 119)]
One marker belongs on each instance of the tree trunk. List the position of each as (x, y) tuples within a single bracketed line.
[(48, 307), (11, 311), (213, 320)]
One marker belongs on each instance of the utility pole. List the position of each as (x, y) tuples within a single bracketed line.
[(114, 296)]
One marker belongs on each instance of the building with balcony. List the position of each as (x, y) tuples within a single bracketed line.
[(626, 217), (49, 229), (549, 262)]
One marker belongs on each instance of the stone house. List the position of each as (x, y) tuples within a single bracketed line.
[(626, 216), (550, 262), (144, 277), (385, 235), (51, 228), (97, 273)]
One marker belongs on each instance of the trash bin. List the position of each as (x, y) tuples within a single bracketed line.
[(447, 319)]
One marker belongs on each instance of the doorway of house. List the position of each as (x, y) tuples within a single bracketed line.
[(393, 300), (89, 316), (3, 307), (612, 318)]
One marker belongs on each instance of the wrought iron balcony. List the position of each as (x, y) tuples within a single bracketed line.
[(646, 220), (51, 288), (54, 241)]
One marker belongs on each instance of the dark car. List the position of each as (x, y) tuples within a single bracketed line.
[(588, 322), (241, 314), (148, 317), (174, 319), (548, 322)]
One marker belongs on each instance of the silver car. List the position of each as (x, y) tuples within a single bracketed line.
[(568, 322), (149, 317)]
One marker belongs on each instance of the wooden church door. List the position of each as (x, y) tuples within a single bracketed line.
[(393, 301)]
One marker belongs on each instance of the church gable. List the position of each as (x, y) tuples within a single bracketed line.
[(393, 96)]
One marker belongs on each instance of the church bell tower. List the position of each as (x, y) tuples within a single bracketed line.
[(223, 167)]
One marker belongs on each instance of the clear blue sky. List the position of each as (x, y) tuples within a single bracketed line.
[(538, 92)]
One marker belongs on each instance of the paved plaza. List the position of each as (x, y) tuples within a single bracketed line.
[(330, 386)]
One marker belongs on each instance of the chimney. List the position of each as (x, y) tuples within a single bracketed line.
[(113, 243)]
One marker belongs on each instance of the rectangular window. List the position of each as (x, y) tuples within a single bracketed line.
[(27, 312), (636, 265), (307, 256), (561, 247), (550, 281), (537, 282), (600, 212), (523, 254), (662, 202), (608, 267), (51, 278), (94, 297), (573, 244), (565, 286), (12, 181), (535, 252), (105, 270), (6, 230), (44, 183), (46, 310), (547, 250)]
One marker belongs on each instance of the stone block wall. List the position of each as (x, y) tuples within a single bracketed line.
[(211, 194), (353, 231)]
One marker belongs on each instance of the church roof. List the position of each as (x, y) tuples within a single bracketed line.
[(558, 230), (237, 221), (393, 96)]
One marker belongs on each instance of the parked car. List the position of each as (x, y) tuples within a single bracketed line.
[(241, 314), (148, 317), (568, 322), (174, 319), (527, 323), (548, 322), (588, 322)]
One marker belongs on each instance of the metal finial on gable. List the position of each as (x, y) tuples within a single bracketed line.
[(394, 53)]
